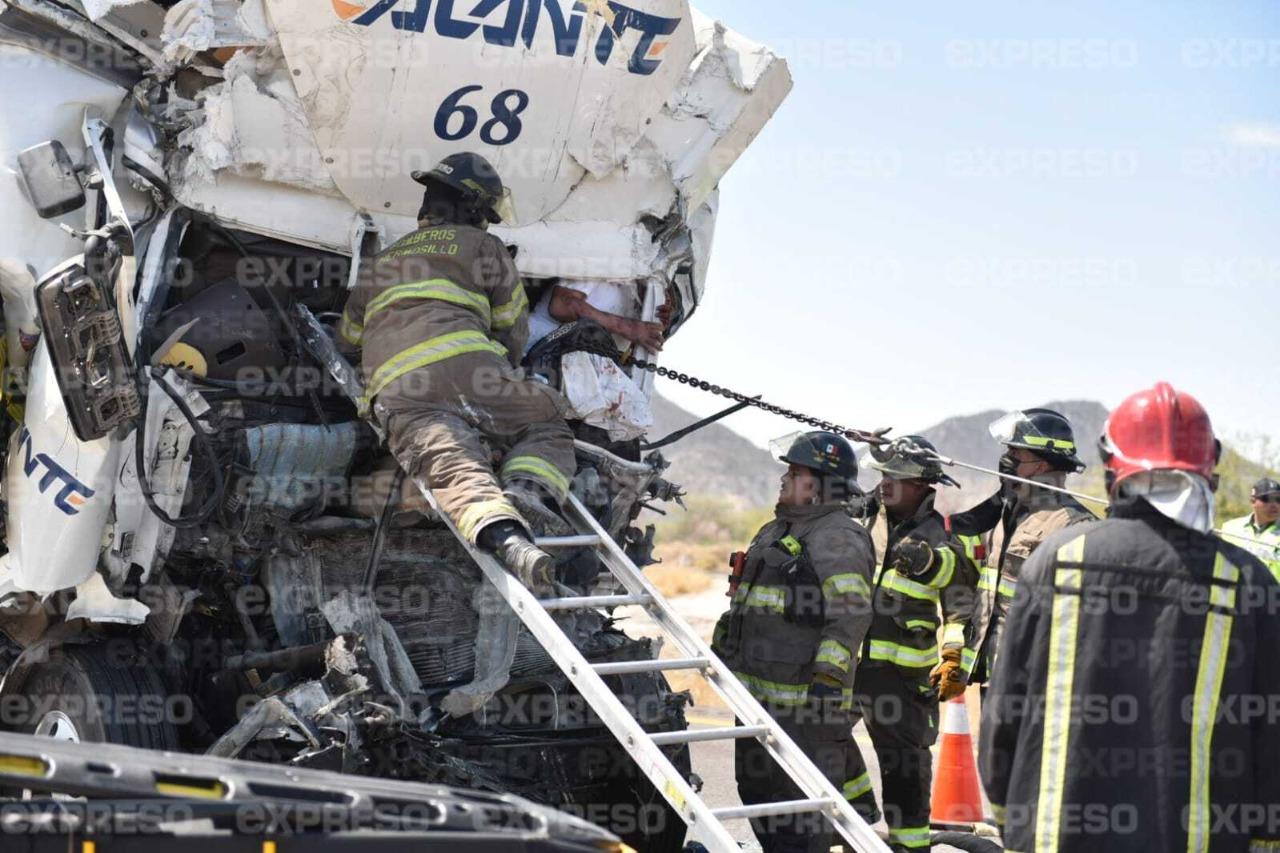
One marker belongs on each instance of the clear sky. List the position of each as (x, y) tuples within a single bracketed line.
[(972, 206)]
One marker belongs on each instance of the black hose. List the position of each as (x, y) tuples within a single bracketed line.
[(380, 534), (206, 447)]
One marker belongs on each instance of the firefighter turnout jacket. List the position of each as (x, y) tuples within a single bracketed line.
[(1000, 535), (1133, 701), (442, 319), (802, 607), (442, 292), (904, 628)]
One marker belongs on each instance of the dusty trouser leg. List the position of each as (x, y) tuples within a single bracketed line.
[(443, 452), (902, 732), (440, 450), (857, 787)]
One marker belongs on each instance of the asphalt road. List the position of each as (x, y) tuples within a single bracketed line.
[(713, 762)]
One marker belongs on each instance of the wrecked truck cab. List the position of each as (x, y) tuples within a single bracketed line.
[(191, 501)]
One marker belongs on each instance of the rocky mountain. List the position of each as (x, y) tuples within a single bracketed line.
[(715, 460), (718, 461)]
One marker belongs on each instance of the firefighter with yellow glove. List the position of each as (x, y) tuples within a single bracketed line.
[(921, 570), (1002, 532), (792, 632), (442, 319)]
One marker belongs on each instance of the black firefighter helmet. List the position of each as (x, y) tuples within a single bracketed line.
[(826, 454), (477, 182), (1044, 432)]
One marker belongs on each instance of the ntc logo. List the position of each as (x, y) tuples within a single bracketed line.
[(521, 22), (73, 493)]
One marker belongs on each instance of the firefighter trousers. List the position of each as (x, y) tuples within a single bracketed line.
[(902, 720), (447, 424), (821, 730)]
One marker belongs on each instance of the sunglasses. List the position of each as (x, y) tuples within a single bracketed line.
[(1268, 499)]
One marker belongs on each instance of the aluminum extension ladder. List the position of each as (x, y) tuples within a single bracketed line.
[(706, 824)]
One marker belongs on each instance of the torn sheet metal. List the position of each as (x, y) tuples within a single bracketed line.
[(253, 125), (138, 536), (348, 105), (194, 26)]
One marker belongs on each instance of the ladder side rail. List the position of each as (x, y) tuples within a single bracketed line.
[(748, 711), (649, 757)]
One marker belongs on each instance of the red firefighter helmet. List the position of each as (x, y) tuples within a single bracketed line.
[(1159, 429)]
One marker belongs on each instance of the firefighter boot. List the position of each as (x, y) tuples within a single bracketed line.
[(511, 545)]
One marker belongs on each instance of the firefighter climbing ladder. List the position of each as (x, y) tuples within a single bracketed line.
[(705, 823)]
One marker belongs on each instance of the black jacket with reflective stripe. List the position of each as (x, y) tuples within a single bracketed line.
[(1098, 729), (904, 630)]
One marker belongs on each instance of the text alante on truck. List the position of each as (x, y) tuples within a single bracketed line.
[(192, 500), (510, 22)]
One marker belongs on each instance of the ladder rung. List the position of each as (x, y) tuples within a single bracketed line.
[(582, 602), (633, 666), (700, 735), (770, 809), (588, 541)]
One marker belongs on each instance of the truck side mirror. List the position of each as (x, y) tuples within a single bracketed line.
[(49, 178)]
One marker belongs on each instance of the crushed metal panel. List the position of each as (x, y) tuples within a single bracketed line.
[(548, 90)]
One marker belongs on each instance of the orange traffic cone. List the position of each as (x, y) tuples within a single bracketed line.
[(957, 798)]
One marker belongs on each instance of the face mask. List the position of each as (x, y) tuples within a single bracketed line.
[(1008, 465)]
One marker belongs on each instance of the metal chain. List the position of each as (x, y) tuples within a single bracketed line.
[(876, 438)]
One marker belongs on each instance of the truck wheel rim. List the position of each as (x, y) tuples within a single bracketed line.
[(58, 726)]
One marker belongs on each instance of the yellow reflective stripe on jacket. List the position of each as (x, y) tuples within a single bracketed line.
[(910, 837), (835, 653), (926, 624), (440, 289), (773, 598), (968, 660), (847, 584), (896, 582), (1212, 667), (774, 691), (953, 634), (427, 353), (904, 656), (351, 331), (987, 582), (947, 570), (1063, 631), (505, 315), (859, 786), (538, 468)]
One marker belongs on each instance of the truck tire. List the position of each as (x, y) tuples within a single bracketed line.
[(87, 694)]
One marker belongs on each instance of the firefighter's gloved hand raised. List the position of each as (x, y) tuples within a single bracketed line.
[(911, 558), (947, 677)]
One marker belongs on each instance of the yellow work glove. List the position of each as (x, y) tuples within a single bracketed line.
[(947, 677)]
